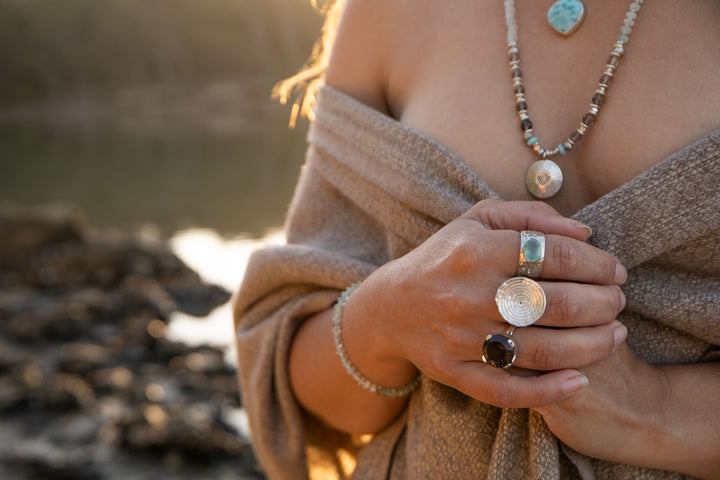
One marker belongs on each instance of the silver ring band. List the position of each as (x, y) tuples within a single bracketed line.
[(532, 254)]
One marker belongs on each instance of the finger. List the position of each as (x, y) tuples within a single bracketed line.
[(523, 215), (580, 305), (502, 389), (565, 258), (569, 259), (548, 349)]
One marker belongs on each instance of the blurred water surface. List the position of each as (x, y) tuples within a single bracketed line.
[(173, 179), (152, 113)]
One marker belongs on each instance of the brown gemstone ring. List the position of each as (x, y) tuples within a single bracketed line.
[(500, 349)]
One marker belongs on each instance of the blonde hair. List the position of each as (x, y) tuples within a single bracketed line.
[(303, 86)]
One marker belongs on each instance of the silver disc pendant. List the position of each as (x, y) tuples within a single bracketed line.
[(544, 178)]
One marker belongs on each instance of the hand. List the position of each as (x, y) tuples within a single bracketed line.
[(615, 414), (432, 308)]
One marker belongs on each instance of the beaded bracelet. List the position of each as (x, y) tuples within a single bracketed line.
[(349, 367)]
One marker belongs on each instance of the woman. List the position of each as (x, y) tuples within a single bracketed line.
[(416, 185)]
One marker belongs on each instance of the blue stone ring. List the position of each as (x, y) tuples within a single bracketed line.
[(532, 254)]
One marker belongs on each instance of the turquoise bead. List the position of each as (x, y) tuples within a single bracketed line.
[(566, 15), (532, 141), (532, 250), (561, 149)]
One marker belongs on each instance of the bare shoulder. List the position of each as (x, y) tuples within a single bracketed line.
[(362, 52)]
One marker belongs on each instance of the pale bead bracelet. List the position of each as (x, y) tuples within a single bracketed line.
[(359, 378)]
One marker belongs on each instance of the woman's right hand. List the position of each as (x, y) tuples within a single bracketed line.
[(432, 308)]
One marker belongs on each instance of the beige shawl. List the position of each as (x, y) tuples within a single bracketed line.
[(372, 190)]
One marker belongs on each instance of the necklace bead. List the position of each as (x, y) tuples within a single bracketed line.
[(588, 119)]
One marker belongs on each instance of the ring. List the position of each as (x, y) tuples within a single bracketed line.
[(521, 301), (500, 349), (532, 254)]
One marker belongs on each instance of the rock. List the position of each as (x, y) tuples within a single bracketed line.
[(28, 230), (12, 356), (195, 299), (12, 392), (89, 385), (83, 358), (57, 467), (68, 392), (190, 429), (141, 292)]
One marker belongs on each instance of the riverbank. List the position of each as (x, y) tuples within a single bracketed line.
[(90, 385)]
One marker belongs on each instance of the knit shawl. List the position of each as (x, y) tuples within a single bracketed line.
[(373, 189)]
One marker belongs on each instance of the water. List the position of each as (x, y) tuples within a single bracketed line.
[(214, 181), (221, 261), (237, 181)]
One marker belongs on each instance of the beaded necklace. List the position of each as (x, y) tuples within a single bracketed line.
[(544, 177)]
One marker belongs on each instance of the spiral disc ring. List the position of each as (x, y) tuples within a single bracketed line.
[(521, 301)]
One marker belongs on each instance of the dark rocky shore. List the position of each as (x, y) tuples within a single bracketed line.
[(90, 388)]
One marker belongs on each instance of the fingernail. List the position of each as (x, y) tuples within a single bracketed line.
[(620, 334), (575, 384), (582, 225), (620, 274)]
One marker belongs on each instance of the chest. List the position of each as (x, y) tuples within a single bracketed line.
[(459, 91)]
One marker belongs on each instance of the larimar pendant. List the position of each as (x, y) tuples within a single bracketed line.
[(565, 16), (544, 178)]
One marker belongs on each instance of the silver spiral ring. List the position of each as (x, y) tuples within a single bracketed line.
[(521, 301)]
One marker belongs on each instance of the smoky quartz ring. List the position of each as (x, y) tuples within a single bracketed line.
[(500, 349)]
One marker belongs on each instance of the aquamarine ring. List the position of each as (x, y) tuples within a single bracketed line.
[(532, 254)]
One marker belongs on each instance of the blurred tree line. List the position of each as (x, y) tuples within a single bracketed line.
[(59, 48)]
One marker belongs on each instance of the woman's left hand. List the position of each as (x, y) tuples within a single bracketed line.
[(617, 414), (656, 416)]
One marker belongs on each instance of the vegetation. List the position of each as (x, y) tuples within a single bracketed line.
[(54, 49)]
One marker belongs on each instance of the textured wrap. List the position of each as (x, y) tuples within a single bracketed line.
[(373, 189)]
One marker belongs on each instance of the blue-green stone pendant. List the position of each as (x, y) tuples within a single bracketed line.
[(565, 16)]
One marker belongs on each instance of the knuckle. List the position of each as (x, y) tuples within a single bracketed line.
[(548, 354), (464, 255), (456, 339), (564, 256), (460, 307), (564, 307), (540, 209), (440, 367)]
